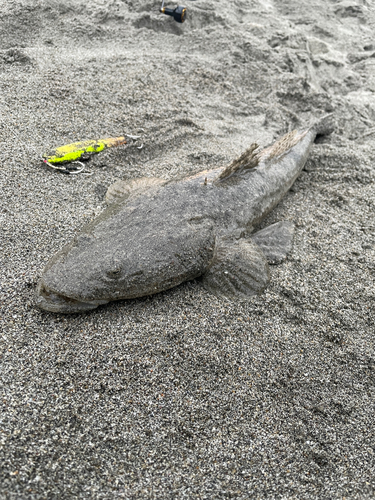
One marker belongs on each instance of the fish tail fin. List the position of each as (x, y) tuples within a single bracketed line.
[(325, 125)]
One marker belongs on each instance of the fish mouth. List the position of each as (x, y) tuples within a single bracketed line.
[(51, 301)]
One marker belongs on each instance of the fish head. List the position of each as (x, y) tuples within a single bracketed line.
[(119, 259)]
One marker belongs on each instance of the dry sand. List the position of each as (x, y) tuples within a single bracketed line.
[(182, 395)]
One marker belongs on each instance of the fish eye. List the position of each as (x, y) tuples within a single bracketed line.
[(113, 273)]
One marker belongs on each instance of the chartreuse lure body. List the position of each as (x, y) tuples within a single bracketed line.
[(77, 150)]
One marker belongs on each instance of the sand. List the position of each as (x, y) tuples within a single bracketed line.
[(183, 395)]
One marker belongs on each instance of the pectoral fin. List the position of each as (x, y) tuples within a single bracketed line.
[(123, 189), (275, 241), (238, 271)]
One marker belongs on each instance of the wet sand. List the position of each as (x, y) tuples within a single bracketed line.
[(184, 395)]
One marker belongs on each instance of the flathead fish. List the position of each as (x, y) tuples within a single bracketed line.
[(156, 234)]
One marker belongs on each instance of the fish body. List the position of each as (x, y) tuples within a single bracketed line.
[(159, 237), (76, 150)]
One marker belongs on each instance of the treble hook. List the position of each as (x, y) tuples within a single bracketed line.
[(66, 170)]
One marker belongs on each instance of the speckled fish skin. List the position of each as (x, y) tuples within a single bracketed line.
[(167, 235)]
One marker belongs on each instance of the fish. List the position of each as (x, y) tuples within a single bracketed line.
[(157, 234)]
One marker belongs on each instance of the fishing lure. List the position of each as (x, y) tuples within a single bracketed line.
[(72, 153)]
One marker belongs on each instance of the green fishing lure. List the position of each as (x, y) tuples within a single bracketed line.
[(77, 150)]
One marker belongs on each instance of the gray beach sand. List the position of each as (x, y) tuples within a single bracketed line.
[(183, 395)]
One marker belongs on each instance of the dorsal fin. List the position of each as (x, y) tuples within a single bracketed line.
[(248, 159), (281, 146), (253, 155)]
